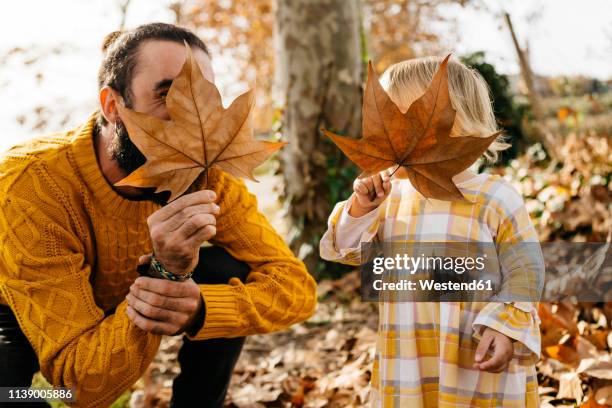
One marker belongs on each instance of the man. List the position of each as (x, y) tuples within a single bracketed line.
[(70, 244)]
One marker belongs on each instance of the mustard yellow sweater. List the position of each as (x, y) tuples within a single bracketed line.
[(69, 247)]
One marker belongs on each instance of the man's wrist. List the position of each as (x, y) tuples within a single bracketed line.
[(160, 271)]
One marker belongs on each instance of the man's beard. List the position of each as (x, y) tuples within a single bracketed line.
[(129, 158)]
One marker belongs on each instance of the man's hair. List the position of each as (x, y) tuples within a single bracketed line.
[(121, 54)]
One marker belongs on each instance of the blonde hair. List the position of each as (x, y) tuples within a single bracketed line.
[(406, 81)]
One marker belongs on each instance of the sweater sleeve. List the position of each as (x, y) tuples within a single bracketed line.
[(45, 280), (342, 240), (351, 231), (278, 291), (522, 266)]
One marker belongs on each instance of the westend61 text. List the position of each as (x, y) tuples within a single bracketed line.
[(429, 284)]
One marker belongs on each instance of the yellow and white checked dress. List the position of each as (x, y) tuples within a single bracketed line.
[(425, 350)]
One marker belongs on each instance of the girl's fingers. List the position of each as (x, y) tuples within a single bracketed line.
[(386, 178), (483, 346), (377, 180), (369, 184), (493, 364), (386, 184), (374, 187), (360, 187), (497, 360), (387, 187)]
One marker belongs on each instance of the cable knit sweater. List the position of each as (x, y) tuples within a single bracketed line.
[(69, 247)]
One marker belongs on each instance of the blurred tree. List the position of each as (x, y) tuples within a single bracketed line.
[(509, 115), (401, 29), (239, 31), (123, 9), (539, 131), (319, 82)]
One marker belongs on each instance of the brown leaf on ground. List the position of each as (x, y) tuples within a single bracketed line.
[(327, 361)]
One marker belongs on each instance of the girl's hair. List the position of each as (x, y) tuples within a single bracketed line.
[(406, 81)]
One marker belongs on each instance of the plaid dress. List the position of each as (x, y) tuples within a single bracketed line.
[(425, 350)]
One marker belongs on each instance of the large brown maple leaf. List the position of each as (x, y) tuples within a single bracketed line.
[(200, 134), (418, 141)]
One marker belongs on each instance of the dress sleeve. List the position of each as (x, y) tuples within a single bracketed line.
[(517, 320), (342, 240), (45, 281), (522, 267)]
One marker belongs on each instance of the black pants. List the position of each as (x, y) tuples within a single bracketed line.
[(206, 366)]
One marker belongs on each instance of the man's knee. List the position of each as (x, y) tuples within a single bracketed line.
[(17, 357), (217, 266)]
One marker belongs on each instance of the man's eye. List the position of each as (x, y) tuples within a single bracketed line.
[(163, 95)]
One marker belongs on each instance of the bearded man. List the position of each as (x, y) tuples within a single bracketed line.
[(73, 304)]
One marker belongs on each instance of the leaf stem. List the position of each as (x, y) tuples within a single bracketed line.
[(396, 169)]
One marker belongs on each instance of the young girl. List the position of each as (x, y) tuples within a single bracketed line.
[(447, 354)]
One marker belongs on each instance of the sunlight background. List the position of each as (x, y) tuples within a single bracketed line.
[(50, 50)]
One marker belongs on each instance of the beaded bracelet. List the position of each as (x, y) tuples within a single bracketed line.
[(159, 268)]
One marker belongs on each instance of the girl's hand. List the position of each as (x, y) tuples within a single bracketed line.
[(502, 347), (370, 192)]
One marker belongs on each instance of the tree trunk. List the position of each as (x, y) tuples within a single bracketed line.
[(543, 135), (318, 83), (123, 8)]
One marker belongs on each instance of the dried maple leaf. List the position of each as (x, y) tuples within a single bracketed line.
[(418, 140), (200, 134)]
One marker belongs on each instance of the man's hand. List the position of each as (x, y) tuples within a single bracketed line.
[(178, 230), (502, 347), (163, 306)]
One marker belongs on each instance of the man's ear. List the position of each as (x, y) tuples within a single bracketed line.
[(109, 99)]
